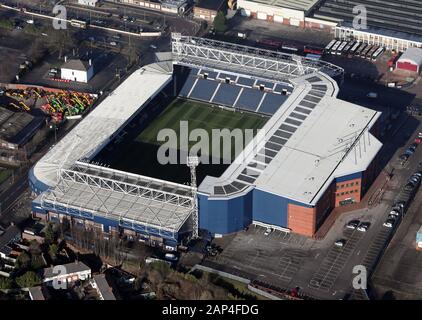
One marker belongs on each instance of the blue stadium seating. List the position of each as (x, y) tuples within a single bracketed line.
[(268, 85), (271, 103), (226, 94), (204, 89), (249, 99), (211, 74), (279, 88), (223, 76), (187, 86), (246, 81)]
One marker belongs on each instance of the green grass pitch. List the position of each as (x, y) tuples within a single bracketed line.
[(199, 115)]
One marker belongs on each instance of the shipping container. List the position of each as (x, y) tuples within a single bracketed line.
[(313, 50)]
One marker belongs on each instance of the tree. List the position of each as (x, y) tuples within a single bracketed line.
[(220, 22), (6, 283), (49, 234), (53, 250), (28, 279), (23, 261)]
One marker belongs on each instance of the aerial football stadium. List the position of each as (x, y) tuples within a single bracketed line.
[(313, 152)]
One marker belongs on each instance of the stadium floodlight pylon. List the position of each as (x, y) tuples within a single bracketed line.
[(192, 163)]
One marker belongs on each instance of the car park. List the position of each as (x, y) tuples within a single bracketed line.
[(340, 243), (352, 224), (363, 226)]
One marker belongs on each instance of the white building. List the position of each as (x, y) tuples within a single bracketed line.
[(77, 70), (91, 3), (67, 273)]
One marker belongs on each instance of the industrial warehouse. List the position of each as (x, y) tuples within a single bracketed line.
[(318, 152)]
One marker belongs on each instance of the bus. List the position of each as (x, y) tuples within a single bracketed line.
[(360, 49), (377, 53), (341, 47), (354, 47), (348, 47), (365, 51), (329, 46), (371, 52), (313, 56), (78, 23), (335, 47), (313, 50)]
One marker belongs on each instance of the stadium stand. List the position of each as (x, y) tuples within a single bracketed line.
[(242, 93), (249, 99), (226, 94), (271, 103), (204, 89)]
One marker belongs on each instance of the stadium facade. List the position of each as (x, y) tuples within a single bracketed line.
[(318, 152)]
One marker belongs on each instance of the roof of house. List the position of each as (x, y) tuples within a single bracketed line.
[(72, 267), (76, 64), (36, 293), (8, 235), (412, 55), (103, 287)]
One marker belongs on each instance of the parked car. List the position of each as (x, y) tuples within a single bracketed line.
[(394, 213), (409, 186), (363, 226), (267, 231), (392, 216), (417, 140), (409, 151), (389, 223), (340, 243), (420, 135), (352, 224), (404, 157)]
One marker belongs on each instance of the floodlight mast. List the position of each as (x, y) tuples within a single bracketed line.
[(192, 163)]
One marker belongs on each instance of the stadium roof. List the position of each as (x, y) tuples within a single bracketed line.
[(104, 122), (300, 161), (412, 55), (304, 5)]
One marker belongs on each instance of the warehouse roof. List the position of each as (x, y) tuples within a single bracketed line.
[(16, 127), (304, 5), (412, 55), (101, 124)]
